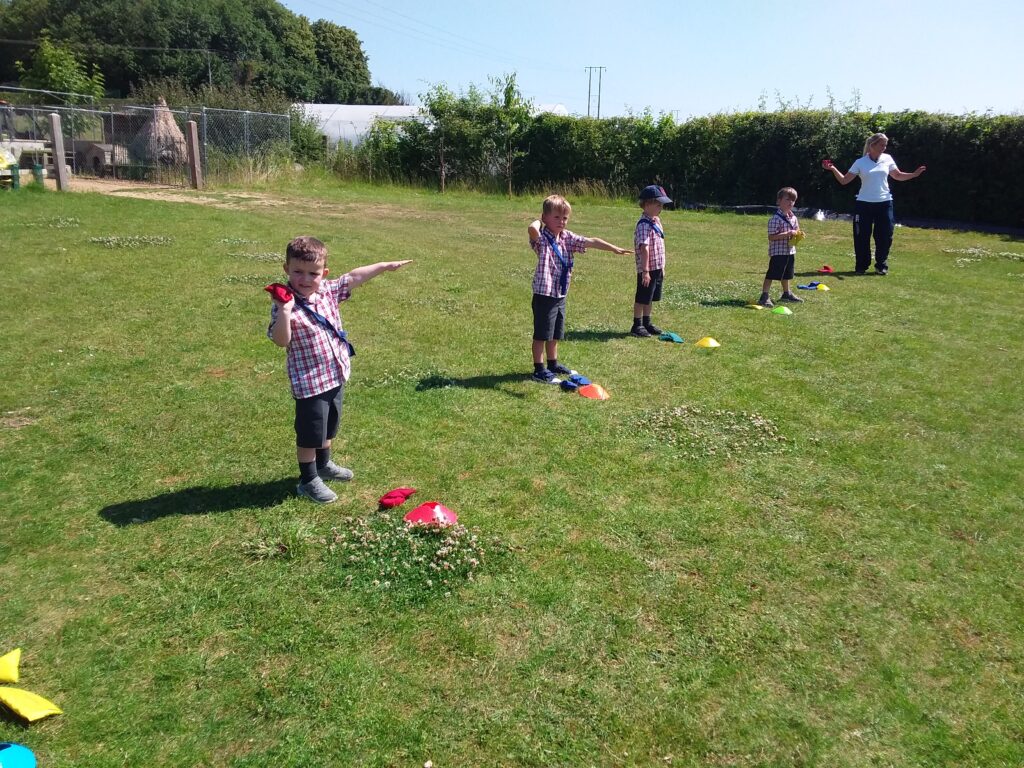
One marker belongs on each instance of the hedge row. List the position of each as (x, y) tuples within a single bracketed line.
[(732, 159)]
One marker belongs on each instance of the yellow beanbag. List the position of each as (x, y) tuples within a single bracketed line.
[(27, 705), (9, 666), (797, 237)]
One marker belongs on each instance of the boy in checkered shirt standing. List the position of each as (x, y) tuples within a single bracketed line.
[(783, 235), (555, 247), (649, 245), (308, 325)]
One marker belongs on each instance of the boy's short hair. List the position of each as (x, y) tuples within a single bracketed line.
[(306, 248), (556, 204), (787, 192)]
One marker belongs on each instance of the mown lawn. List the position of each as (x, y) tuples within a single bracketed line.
[(801, 549)]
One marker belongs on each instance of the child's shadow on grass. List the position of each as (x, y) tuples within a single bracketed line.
[(200, 501), (593, 334), (836, 275), (492, 381), (724, 303)]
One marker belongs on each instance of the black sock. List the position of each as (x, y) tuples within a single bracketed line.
[(552, 364), (637, 322), (323, 455), (647, 319), (538, 367), (307, 471)]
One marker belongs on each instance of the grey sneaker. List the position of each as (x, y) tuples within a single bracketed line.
[(332, 471), (640, 331), (315, 490), (792, 298), (764, 301)]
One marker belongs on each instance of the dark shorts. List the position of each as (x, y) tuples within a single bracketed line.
[(317, 418), (652, 292), (548, 318), (781, 267)]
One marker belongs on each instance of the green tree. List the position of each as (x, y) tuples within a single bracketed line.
[(56, 68), (258, 44), (509, 116), (345, 74)]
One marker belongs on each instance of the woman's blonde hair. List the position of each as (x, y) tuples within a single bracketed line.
[(874, 138)]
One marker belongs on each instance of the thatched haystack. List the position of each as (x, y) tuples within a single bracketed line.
[(160, 140)]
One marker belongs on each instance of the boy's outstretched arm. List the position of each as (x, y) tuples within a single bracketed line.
[(360, 275), (604, 245), (534, 230)]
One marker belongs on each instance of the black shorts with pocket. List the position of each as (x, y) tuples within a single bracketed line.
[(548, 318), (781, 267), (652, 291), (317, 418)]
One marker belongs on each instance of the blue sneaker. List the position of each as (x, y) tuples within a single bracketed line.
[(544, 376), (561, 370)]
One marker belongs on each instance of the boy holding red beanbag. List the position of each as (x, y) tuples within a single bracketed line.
[(305, 320)]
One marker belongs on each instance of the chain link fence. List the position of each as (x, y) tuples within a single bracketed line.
[(149, 143)]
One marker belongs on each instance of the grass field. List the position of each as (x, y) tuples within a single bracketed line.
[(801, 549)]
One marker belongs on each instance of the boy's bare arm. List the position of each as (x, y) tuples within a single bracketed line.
[(534, 230), (603, 245), (645, 258), (281, 333), (360, 275)]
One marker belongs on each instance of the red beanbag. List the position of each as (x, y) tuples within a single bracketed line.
[(279, 292), (396, 497), (826, 164)]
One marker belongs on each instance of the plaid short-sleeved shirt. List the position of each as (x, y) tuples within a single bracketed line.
[(778, 224), (317, 359), (646, 233), (547, 278)]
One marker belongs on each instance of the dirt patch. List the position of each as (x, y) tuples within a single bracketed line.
[(16, 419), (144, 191)]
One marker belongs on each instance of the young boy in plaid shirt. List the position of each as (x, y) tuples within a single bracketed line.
[(783, 234), (309, 326), (555, 247), (649, 244)]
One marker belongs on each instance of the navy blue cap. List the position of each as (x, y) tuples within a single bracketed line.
[(654, 192)]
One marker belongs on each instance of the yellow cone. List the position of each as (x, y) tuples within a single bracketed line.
[(822, 287), (754, 306), (708, 343)]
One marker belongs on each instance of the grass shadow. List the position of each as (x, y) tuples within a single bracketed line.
[(725, 303), (592, 334), (199, 501), (491, 381), (837, 275)]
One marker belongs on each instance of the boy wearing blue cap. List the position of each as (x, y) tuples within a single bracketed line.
[(649, 245)]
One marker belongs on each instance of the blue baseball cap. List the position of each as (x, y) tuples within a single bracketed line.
[(654, 192)]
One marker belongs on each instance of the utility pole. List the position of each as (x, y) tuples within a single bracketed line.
[(590, 80)]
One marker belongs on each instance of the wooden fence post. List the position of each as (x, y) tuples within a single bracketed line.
[(60, 167), (195, 168)]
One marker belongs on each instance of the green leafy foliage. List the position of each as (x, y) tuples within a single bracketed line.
[(258, 44), (726, 159), (56, 68)]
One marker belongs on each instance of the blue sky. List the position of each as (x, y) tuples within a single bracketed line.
[(692, 59)]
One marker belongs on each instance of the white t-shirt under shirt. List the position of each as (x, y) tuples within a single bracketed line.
[(874, 178)]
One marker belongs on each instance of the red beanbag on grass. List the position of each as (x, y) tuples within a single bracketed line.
[(396, 497)]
